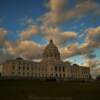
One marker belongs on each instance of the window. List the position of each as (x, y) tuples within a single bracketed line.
[(18, 73), (31, 73), (27, 68), (63, 75), (27, 64), (35, 74), (59, 75), (50, 54), (23, 73), (55, 56), (55, 68), (47, 56), (60, 69), (23, 68), (13, 67), (19, 67), (31, 67), (63, 69), (13, 73), (56, 75), (27, 73)]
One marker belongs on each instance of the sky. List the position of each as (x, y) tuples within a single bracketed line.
[(26, 26)]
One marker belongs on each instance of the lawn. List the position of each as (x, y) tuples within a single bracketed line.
[(48, 90)]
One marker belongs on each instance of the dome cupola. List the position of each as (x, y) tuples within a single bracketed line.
[(51, 52)]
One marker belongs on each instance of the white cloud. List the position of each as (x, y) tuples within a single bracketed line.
[(3, 33), (57, 35), (58, 12), (29, 32), (27, 49), (93, 36)]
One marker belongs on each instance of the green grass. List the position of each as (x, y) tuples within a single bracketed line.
[(48, 90)]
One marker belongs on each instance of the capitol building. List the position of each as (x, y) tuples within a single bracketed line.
[(50, 67)]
